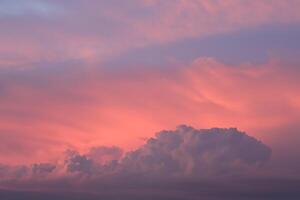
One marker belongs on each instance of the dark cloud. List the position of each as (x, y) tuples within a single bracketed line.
[(184, 152), (185, 163), (24, 172), (13, 172), (78, 163), (42, 169), (204, 152), (104, 154)]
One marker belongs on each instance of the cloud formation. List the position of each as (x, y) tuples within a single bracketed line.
[(97, 31), (208, 163), (185, 152), (191, 152), (103, 155)]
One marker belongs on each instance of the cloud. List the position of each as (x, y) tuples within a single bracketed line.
[(91, 32), (78, 163), (175, 164), (8, 172), (19, 173), (42, 169), (97, 161), (191, 152), (184, 152), (104, 154)]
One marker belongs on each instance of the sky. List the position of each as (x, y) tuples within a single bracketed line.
[(143, 99)]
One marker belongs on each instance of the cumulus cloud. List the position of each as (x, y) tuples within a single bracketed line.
[(78, 163), (8, 172), (105, 154), (184, 152), (175, 164), (204, 152), (25, 172), (42, 169)]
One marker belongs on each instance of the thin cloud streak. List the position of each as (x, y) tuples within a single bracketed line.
[(94, 32)]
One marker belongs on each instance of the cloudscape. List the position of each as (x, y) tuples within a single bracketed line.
[(149, 99)]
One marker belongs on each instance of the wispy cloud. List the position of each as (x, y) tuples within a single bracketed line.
[(98, 31)]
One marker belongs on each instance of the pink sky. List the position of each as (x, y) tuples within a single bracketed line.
[(87, 107), (87, 80)]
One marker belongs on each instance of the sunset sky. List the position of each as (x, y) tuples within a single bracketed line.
[(146, 97)]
